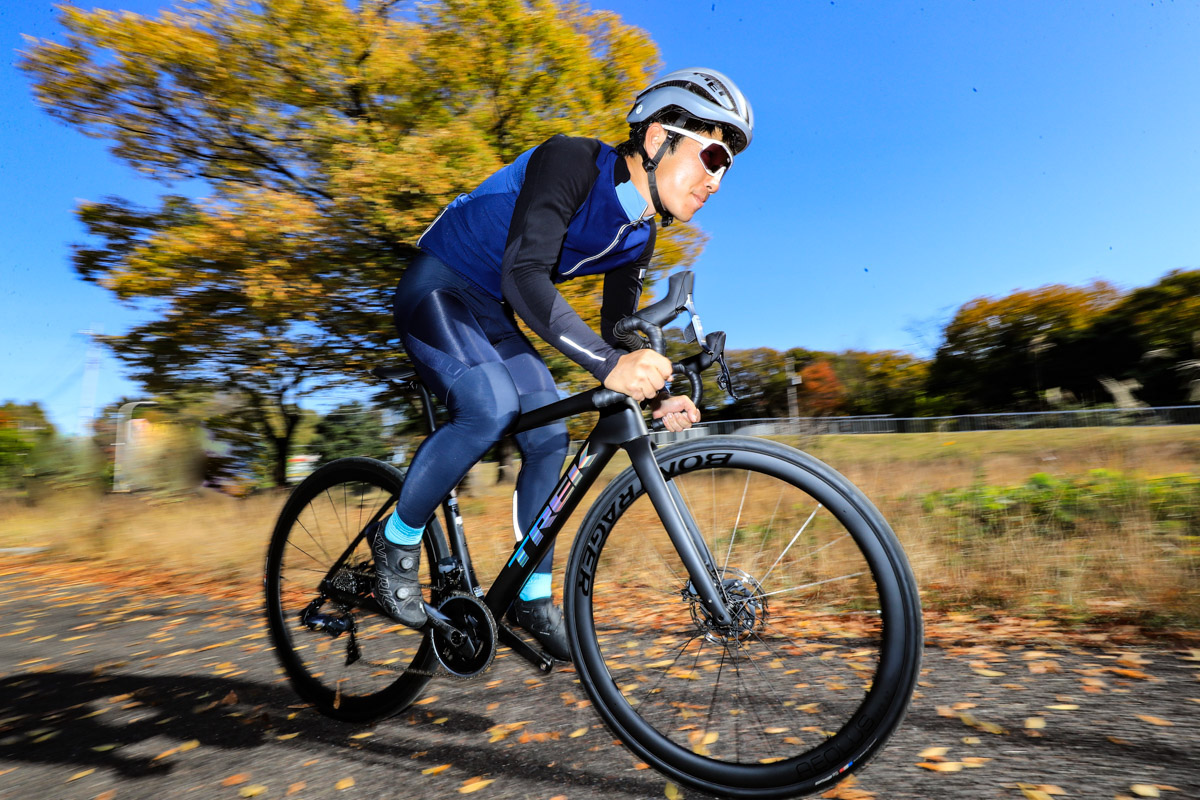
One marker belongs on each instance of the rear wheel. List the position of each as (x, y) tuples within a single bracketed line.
[(340, 651), (820, 662)]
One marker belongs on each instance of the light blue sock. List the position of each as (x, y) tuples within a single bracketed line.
[(537, 587), (399, 532)]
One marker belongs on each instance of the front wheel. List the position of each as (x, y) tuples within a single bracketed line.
[(341, 652), (820, 662)]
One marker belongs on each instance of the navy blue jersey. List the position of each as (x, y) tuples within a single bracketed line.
[(553, 214)]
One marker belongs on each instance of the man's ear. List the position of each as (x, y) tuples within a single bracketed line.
[(655, 136)]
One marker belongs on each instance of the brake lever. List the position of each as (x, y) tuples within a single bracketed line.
[(724, 379)]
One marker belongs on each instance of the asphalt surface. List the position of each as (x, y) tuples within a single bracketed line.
[(118, 685)]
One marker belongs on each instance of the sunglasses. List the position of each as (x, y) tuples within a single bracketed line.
[(715, 155)]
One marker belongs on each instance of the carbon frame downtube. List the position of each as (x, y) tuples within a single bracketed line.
[(617, 425)]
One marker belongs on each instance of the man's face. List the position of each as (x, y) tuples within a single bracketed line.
[(683, 183)]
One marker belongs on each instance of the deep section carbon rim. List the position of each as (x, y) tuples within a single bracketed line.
[(820, 661)]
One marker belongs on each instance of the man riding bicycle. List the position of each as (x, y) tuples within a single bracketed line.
[(570, 206)]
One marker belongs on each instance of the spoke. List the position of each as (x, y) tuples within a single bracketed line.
[(316, 539), (313, 558), (737, 669), (815, 583), (737, 519), (771, 523), (792, 542), (674, 662)]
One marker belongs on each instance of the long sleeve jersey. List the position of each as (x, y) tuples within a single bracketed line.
[(553, 214)]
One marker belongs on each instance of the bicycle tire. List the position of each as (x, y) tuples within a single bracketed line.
[(822, 665), (320, 521)]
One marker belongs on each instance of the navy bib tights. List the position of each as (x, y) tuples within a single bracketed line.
[(468, 350)]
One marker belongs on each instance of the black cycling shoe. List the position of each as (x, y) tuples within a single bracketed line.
[(542, 620), (397, 585)]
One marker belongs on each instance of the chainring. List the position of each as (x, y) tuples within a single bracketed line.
[(471, 616)]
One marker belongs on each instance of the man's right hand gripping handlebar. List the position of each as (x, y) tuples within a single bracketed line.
[(640, 374)]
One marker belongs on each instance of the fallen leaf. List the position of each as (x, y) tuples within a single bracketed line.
[(79, 775), (988, 673), (575, 734), (438, 770), (1035, 722), (1133, 660), (234, 780), (673, 792), (1063, 707), (283, 737), (933, 752), (1145, 790), (109, 795), (229, 699), (344, 783), (1032, 793), (1159, 721), (474, 785), (253, 791), (941, 766), (297, 787), (364, 735)]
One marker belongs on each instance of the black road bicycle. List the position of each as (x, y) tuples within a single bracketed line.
[(741, 616)]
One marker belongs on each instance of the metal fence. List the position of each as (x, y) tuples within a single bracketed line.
[(1085, 418)]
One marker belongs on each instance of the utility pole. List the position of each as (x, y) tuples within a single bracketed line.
[(91, 374), (793, 380)]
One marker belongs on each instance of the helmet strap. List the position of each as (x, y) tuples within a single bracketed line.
[(651, 166)]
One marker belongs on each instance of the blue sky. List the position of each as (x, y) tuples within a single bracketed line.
[(907, 158)]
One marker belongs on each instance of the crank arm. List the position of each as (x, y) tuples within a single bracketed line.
[(522, 648), (437, 621)]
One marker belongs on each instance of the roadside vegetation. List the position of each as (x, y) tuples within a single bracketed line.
[(1082, 526)]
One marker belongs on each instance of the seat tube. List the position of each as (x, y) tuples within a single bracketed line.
[(684, 535)]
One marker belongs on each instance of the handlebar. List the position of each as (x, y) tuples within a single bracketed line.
[(650, 321)]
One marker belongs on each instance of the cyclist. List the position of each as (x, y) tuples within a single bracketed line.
[(568, 207)]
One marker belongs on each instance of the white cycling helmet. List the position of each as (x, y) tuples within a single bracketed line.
[(699, 93), (702, 93)]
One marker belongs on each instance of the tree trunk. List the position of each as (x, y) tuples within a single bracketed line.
[(504, 461)]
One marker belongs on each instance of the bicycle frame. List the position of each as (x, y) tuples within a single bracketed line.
[(621, 427)]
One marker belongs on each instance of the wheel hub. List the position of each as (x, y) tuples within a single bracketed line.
[(747, 604)]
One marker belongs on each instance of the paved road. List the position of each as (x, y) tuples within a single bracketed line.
[(116, 686)]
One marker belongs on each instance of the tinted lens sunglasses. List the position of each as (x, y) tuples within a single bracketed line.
[(715, 155)]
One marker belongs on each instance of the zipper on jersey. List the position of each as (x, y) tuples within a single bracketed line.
[(624, 229)]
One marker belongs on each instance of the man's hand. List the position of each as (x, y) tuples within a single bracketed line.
[(639, 374), (678, 412)]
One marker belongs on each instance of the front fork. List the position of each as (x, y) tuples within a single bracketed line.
[(682, 528)]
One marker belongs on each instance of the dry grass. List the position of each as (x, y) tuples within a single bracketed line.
[(1128, 570)]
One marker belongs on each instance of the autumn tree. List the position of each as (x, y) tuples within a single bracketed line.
[(1152, 336), (821, 394), (326, 135), (1000, 354)]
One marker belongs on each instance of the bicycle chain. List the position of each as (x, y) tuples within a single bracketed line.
[(439, 671)]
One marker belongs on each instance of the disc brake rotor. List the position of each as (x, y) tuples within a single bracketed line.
[(747, 604)]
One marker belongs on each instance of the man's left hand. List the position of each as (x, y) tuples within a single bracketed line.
[(677, 412)]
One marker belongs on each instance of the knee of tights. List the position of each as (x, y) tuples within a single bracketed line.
[(483, 401), (548, 440)]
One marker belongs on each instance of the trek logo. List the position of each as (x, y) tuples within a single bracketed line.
[(550, 512)]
